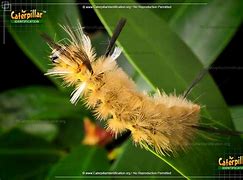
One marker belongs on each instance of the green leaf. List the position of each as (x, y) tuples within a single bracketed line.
[(237, 117), (173, 7), (25, 157), (166, 62), (28, 38), (71, 132), (136, 160), (206, 28), (43, 129), (81, 160), (38, 110)]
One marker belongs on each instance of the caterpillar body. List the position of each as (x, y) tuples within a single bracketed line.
[(164, 122)]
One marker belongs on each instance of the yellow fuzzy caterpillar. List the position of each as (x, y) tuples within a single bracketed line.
[(164, 122)]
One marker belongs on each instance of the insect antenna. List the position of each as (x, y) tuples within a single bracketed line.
[(115, 35), (50, 41), (198, 78)]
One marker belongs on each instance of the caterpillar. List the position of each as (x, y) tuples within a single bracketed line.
[(163, 121)]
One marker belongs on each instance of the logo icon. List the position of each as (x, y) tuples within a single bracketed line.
[(6, 6)]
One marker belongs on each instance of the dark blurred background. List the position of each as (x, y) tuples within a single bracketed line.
[(18, 71)]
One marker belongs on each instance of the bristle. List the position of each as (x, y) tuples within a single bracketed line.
[(116, 53), (164, 122), (76, 94)]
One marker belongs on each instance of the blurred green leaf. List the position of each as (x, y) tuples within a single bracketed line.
[(138, 160), (71, 133), (166, 62), (39, 110), (43, 129), (172, 8), (28, 38), (206, 28), (100, 41), (237, 117), (42, 112), (25, 157), (81, 159)]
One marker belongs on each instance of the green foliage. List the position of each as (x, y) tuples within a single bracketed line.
[(30, 40), (154, 49), (237, 117), (141, 161), (81, 160), (206, 28), (32, 110), (25, 157), (41, 132)]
